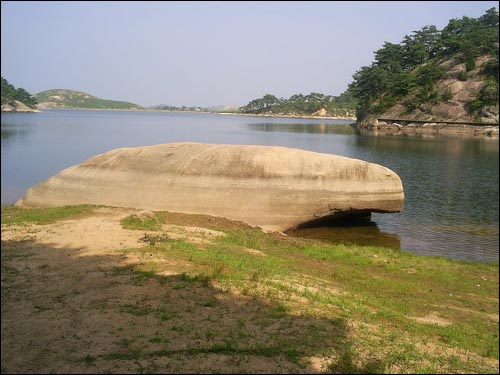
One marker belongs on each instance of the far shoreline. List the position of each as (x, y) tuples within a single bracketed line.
[(287, 116), (483, 131), (214, 113)]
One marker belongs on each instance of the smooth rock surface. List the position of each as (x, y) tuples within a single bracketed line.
[(275, 188)]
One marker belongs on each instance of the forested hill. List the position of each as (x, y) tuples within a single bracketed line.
[(60, 98), (449, 74), (314, 104), (16, 100)]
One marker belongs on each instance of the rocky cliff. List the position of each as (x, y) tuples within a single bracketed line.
[(459, 98), (454, 94)]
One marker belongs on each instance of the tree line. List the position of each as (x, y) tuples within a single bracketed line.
[(10, 93), (300, 104), (412, 66)]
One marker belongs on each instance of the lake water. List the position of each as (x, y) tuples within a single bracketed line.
[(450, 182)]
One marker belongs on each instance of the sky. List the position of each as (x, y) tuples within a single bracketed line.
[(206, 53)]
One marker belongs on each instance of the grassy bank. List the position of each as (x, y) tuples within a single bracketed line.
[(235, 299)]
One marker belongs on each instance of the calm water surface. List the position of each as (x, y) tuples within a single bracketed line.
[(450, 182)]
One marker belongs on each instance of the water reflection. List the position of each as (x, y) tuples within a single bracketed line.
[(363, 233), (445, 145), (423, 134), (313, 128), (7, 133), (13, 132)]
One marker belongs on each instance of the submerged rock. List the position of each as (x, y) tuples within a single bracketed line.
[(275, 188)]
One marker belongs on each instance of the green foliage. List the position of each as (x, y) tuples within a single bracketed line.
[(420, 46), (412, 285), (300, 104), (411, 104), (491, 68), (489, 93), (142, 223), (385, 103), (486, 97), (10, 94), (77, 99), (472, 36), (427, 94), (462, 76), (470, 62), (400, 69), (430, 74), (41, 216), (89, 360), (447, 95)]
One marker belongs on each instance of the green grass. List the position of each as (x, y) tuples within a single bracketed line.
[(146, 223), (358, 305), (89, 360), (376, 286), (41, 216)]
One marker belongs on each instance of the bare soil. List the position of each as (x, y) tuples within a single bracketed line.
[(75, 300), (71, 304)]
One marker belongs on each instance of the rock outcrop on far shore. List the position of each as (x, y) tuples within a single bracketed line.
[(275, 188), (17, 106), (450, 111)]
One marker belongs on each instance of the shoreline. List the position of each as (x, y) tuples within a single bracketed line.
[(209, 112), (109, 289), (486, 130), (430, 128), (288, 116)]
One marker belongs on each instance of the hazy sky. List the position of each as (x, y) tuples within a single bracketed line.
[(205, 53)]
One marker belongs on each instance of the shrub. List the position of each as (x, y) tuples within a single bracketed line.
[(446, 95), (462, 76)]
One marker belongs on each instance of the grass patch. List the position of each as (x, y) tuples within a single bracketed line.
[(153, 240), (41, 216), (140, 277), (89, 360), (378, 286), (135, 222), (365, 309)]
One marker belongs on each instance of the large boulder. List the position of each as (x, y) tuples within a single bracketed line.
[(276, 188)]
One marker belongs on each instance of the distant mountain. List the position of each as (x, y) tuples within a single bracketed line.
[(60, 98)]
